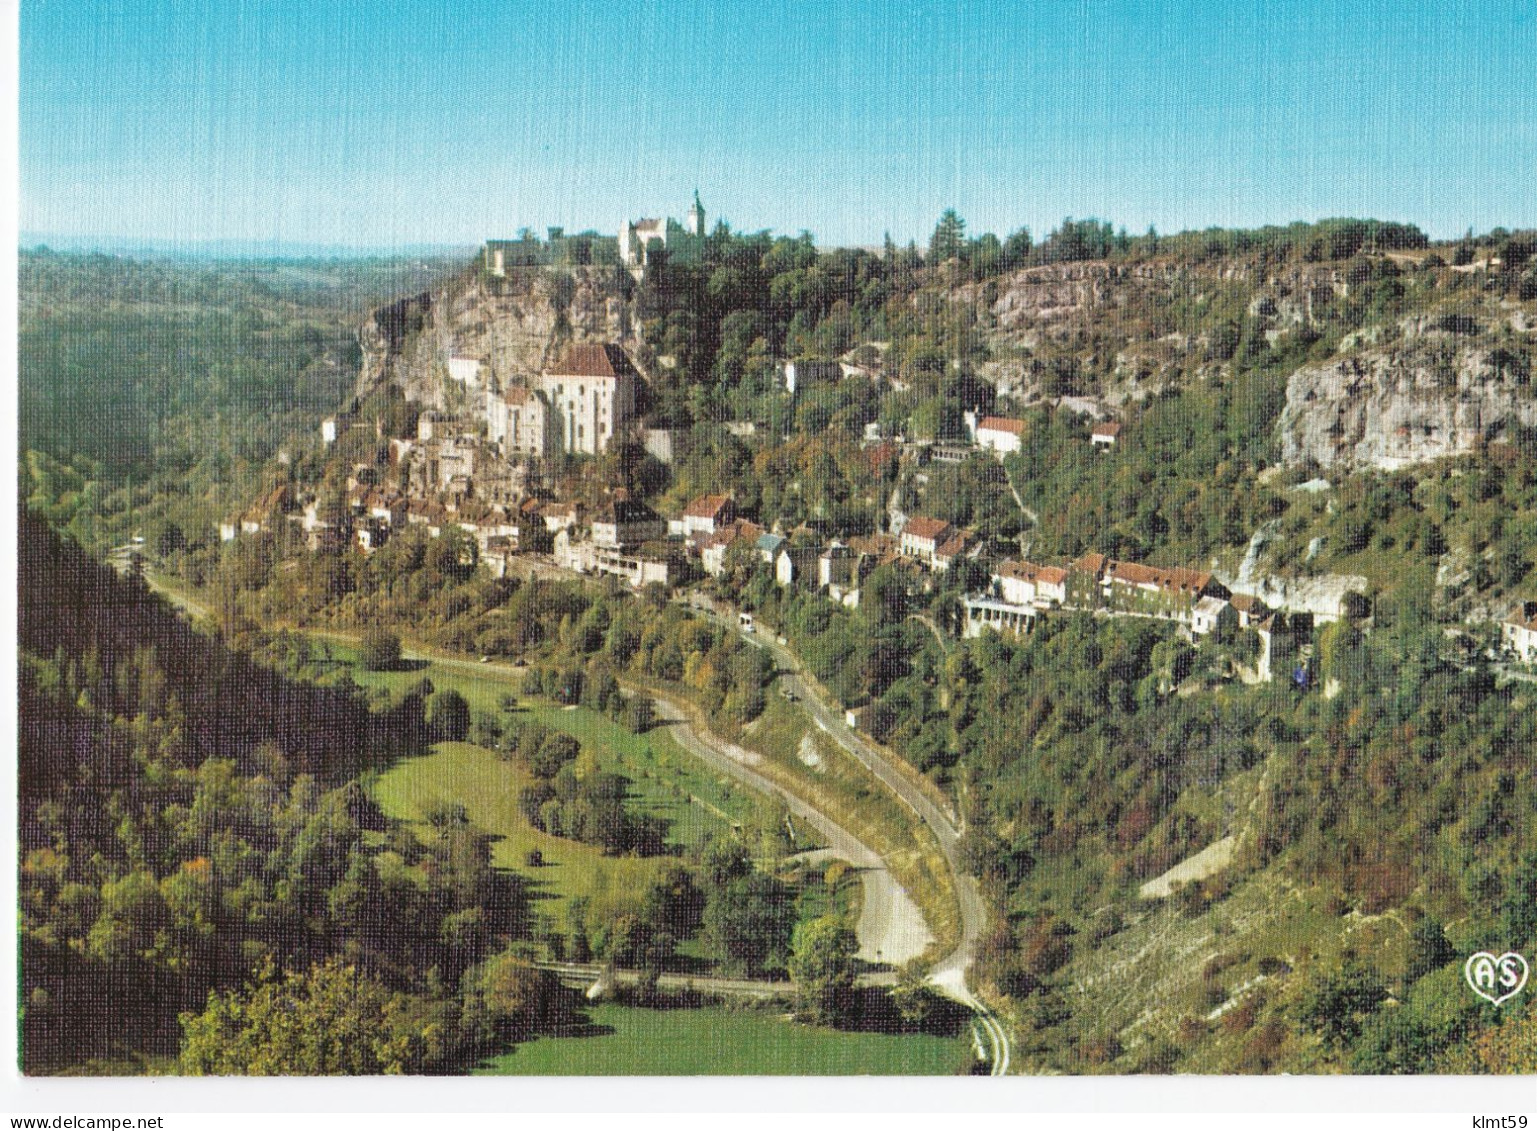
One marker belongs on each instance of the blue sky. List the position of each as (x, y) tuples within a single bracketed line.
[(376, 123)]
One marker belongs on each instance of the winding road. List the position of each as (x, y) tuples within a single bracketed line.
[(949, 974), (891, 928)]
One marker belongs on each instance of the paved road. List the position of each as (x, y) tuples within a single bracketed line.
[(949, 974), (890, 927), (586, 973)]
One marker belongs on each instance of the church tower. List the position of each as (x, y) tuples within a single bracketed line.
[(696, 217)]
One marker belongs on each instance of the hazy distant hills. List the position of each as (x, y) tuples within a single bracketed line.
[(234, 248)]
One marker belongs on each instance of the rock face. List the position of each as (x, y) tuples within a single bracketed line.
[(1389, 408), (514, 327)]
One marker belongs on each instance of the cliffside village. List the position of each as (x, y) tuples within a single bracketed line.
[(480, 471)]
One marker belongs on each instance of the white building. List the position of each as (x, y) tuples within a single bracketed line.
[(1023, 583), (1001, 616), (801, 374), (591, 396), (517, 420), (334, 426), (627, 522), (1106, 434), (635, 238), (708, 514), (1519, 632), (1000, 434), (922, 536)]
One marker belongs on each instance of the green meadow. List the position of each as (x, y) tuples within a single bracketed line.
[(631, 1041)]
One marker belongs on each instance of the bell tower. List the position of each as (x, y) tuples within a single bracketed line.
[(696, 217)]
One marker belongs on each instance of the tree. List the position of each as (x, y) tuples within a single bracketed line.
[(822, 967), (379, 651), (448, 718), (949, 238), (1511, 1048), (916, 1001), (1429, 949), (639, 713), (170, 540), (454, 554), (330, 1020), (748, 922), (674, 904), (515, 998), (1338, 1005)]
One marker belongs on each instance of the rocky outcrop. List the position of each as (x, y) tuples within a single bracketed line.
[(1389, 408), (514, 326)]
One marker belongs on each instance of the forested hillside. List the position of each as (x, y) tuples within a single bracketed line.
[(191, 821), (164, 388), (1191, 867)]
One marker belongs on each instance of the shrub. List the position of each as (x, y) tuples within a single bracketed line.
[(380, 651)]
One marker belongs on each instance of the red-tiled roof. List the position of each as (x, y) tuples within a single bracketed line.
[(1093, 564), (707, 506), (875, 544), (594, 359), (951, 546), (740, 528), (1110, 428), (922, 527), (1175, 580), (517, 395), (1247, 603), (1002, 424), (1028, 571), (1519, 618)]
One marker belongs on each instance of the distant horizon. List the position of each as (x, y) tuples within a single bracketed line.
[(238, 248), (419, 124)]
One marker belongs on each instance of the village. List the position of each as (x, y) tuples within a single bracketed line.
[(480, 475), (488, 470)]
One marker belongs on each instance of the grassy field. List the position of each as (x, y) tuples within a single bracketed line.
[(488, 789), (721, 1042), (668, 782), (672, 784)]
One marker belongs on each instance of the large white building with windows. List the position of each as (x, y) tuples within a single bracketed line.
[(518, 421), (590, 396)]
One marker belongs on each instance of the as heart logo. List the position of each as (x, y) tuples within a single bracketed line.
[(1496, 979)]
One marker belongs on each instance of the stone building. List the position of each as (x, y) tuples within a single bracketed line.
[(591, 396), (519, 422)]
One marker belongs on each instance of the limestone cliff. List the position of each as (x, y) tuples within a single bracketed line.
[(1387, 408), (513, 326), (1125, 311)]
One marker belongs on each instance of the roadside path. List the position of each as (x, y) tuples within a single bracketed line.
[(949, 974), (587, 973), (891, 928)]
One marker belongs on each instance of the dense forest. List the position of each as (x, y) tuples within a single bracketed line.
[(164, 388), (190, 820), (202, 862)]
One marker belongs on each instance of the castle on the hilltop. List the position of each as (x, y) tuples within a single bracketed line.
[(639, 244), (641, 239)]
